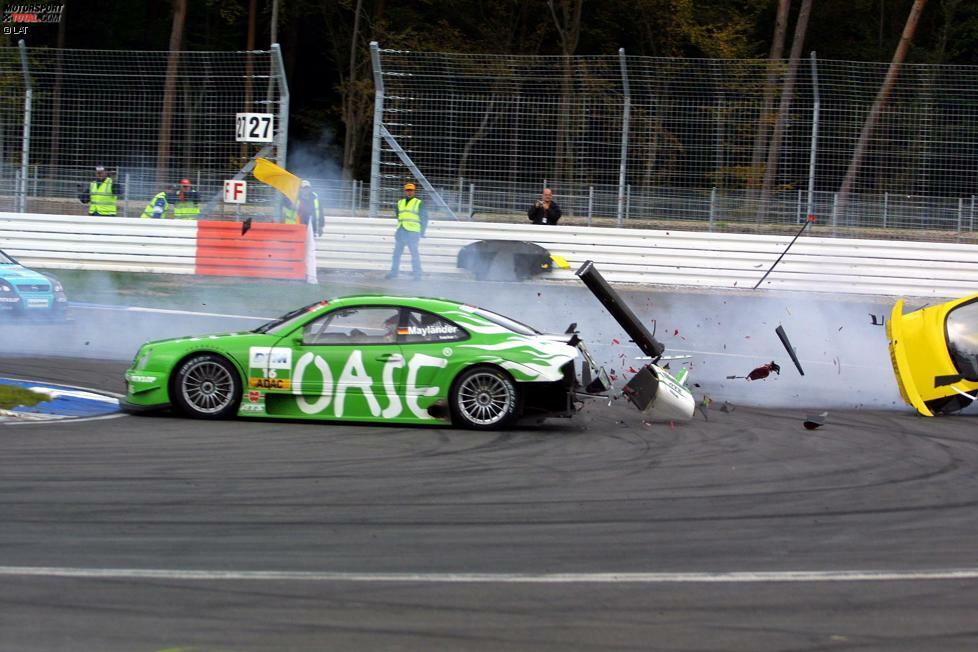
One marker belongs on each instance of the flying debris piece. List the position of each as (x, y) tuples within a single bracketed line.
[(815, 421), (245, 226), (614, 341), (878, 321), (764, 371), (790, 349), (727, 407), (760, 372)]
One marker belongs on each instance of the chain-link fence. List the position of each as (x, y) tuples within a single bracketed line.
[(720, 144), (150, 118)]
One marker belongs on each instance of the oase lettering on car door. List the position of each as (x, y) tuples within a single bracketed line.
[(354, 377)]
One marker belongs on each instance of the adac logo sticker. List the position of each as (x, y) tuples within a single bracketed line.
[(270, 383), (270, 357)]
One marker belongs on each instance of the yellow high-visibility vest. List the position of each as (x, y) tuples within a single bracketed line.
[(148, 211), (409, 214), (186, 209), (101, 199)]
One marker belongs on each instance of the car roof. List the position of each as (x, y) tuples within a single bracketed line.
[(427, 303)]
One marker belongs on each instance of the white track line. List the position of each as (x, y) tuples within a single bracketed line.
[(498, 578), (164, 311)]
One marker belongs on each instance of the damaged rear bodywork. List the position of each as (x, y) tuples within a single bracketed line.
[(934, 352), (660, 395)]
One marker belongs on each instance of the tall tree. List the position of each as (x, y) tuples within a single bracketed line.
[(568, 24), (787, 97), (55, 154), (767, 104), (169, 91), (876, 111)]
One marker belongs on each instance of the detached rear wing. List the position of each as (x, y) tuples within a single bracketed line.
[(620, 311), (652, 390)]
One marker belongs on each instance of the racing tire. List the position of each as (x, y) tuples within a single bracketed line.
[(484, 398), (206, 386)]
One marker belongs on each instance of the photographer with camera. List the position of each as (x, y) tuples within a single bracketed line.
[(545, 210)]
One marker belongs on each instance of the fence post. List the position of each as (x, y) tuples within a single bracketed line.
[(886, 207), (625, 118), (960, 215), (25, 150), (374, 203), (590, 203), (814, 145), (835, 211), (283, 106), (459, 194), (125, 197), (971, 215), (471, 199), (713, 206), (628, 202)]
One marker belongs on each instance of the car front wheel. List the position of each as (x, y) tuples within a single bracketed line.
[(206, 386), (484, 398)]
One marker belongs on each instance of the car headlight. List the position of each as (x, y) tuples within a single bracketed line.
[(5, 286), (142, 359), (55, 285)]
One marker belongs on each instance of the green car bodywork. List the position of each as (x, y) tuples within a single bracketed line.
[(366, 358)]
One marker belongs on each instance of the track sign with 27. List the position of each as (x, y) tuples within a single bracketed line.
[(254, 127)]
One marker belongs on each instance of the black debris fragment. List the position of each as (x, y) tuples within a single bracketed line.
[(790, 349), (727, 407), (245, 226), (815, 421), (878, 321)]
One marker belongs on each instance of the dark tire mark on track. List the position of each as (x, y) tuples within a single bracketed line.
[(747, 491)]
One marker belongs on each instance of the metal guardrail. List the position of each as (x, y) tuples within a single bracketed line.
[(652, 257)]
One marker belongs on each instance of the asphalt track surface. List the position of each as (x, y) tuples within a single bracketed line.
[(743, 532)]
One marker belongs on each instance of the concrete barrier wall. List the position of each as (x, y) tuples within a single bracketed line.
[(692, 259)]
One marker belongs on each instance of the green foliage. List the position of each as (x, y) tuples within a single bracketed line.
[(12, 396)]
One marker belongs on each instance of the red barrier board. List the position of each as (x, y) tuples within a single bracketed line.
[(264, 251)]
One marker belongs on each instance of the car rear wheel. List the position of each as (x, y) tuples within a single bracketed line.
[(206, 386), (484, 398)]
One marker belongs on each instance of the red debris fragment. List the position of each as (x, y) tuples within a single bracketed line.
[(764, 371), (632, 370), (614, 341)]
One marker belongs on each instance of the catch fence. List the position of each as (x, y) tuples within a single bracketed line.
[(697, 143), (150, 118)]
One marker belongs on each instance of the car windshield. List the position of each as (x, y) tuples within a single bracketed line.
[(286, 321), (6, 260), (505, 322)]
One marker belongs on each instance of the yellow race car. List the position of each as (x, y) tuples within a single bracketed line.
[(934, 352)]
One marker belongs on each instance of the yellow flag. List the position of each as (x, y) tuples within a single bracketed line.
[(277, 177)]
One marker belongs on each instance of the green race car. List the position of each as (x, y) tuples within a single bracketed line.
[(371, 358)]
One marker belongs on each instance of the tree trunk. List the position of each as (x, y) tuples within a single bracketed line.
[(569, 31), (54, 159), (169, 89), (350, 119), (774, 63), (787, 97), (876, 111)]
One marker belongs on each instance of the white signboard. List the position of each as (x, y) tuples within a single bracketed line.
[(235, 191), (254, 127)]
